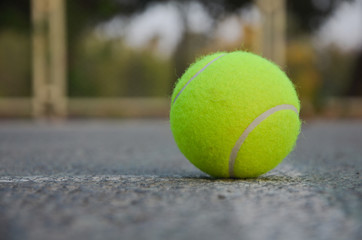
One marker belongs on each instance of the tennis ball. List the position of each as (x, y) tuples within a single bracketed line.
[(234, 115)]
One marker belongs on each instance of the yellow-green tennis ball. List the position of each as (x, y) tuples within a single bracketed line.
[(235, 115)]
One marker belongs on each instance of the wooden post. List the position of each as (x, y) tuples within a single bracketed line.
[(273, 30), (49, 59), (40, 73), (57, 57)]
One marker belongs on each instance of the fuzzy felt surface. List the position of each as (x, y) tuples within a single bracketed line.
[(214, 109)]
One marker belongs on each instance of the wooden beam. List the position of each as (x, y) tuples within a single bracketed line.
[(40, 68), (273, 30), (57, 52), (15, 107), (49, 59), (119, 107)]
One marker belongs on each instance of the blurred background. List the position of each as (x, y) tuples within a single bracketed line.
[(121, 58)]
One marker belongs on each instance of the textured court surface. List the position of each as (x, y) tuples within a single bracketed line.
[(127, 180)]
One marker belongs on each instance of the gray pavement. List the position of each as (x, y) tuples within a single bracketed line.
[(128, 180)]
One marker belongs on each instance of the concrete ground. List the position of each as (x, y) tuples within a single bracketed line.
[(128, 180)]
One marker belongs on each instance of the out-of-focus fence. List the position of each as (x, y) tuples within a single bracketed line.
[(51, 97)]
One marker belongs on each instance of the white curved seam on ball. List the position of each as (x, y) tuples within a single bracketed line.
[(250, 128), (193, 77)]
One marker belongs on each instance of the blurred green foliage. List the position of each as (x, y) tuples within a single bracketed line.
[(15, 69), (15, 15), (308, 15), (338, 67), (15, 64), (110, 69)]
